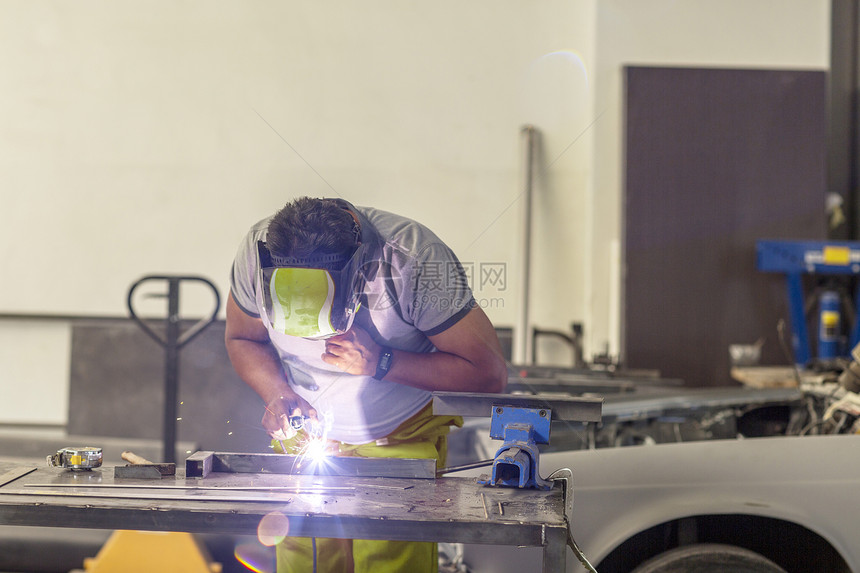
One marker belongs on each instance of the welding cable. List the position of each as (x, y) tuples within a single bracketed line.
[(567, 474)]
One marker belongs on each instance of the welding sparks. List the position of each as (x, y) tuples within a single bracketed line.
[(313, 452), (315, 447)]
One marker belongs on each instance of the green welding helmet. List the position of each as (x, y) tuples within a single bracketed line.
[(313, 297)]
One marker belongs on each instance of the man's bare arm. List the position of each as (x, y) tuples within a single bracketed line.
[(469, 358), (257, 363)]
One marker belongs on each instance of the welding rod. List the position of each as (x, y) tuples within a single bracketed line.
[(471, 466)]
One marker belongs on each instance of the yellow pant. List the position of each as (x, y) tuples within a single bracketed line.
[(422, 436)]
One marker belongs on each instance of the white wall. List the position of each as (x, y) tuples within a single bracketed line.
[(34, 362), (145, 138)]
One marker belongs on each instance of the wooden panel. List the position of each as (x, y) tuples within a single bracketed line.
[(715, 159)]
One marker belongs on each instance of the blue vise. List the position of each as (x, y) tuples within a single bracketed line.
[(516, 462)]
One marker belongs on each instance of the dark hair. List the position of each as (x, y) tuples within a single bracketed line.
[(308, 227)]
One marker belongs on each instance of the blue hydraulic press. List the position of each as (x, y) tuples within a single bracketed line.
[(831, 260)]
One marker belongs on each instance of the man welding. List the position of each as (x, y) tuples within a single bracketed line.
[(344, 319)]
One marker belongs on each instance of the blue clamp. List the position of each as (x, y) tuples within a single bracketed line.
[(516, 462)]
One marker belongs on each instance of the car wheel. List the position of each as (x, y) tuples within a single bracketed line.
[(709, 558)]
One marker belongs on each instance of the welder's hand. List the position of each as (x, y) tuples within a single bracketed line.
[(276, 420), (354, 352)]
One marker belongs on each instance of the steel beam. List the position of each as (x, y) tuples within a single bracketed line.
[(481, 405), (202, 463)]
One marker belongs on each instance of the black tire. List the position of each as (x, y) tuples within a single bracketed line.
[(709, 558)]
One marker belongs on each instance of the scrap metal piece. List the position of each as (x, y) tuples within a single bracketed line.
[(199, 464), (141, 468), (144, 471), (14, 474)]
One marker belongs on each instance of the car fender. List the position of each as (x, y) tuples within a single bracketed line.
[(619, 492)]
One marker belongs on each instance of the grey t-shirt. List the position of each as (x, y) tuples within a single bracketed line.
[(418, 289)]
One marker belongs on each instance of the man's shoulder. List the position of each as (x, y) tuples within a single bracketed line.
[(400, 232), (258, 229), (257, 232), (248, 246)]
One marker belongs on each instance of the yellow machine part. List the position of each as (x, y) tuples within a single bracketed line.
[(146, 551)]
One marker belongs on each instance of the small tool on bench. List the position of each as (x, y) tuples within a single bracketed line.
[(141, 468), (82, 458)]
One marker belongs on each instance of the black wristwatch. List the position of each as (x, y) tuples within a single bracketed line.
[(384, 364)]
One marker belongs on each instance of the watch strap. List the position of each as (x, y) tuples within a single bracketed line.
[(384, 363)]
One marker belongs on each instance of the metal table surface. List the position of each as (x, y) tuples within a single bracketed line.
[(448, 509)]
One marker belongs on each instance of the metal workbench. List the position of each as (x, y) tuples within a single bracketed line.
[(447, 509)]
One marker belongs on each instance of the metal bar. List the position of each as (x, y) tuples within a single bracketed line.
[(523, 344), (171, 370), (330, 465), (199, 464), (12, 475), (163, 497), (554, 549), (57, 317), (223, 521), (464, 467), (626, 408), (538, 386), (295, 488), (475, 404), (855, 330), (800, 336), (291, 488)]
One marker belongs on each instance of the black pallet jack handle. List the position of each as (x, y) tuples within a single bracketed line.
[(172, 341)]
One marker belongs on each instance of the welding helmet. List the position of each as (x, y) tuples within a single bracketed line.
[(311, 297)]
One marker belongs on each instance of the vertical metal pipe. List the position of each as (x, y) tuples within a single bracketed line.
[(523, 346), (171, 370)]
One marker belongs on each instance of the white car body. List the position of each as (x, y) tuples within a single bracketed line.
[(773, 482)]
